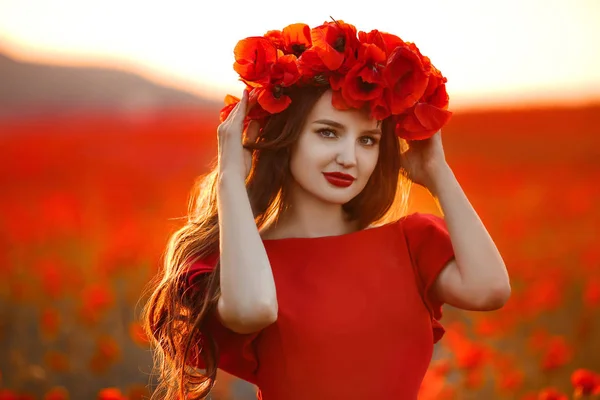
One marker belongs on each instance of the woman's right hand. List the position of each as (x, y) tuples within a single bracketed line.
[(233, 157)]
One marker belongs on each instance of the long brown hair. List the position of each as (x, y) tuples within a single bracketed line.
[(173, 317)]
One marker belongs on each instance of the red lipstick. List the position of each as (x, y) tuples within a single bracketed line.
[(339, 179)]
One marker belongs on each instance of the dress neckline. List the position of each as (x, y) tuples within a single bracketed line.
[(345, 236)]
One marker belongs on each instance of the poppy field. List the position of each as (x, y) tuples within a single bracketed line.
[(88, 201)]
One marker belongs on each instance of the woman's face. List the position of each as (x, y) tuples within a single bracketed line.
[(334, 141)]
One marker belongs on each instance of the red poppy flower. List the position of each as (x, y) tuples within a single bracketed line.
[(332, 44), (111, 394), (421, 122), (436, 94), (407, 78), (551, 394), (256, 111), (57, 393), (254, 57), (276, 37), (430, 113), (380, 109), (337, 100), (585, 382), (364, 81), (230, 102), (284, 73), (385, 41), (296, 39), (557, 353)]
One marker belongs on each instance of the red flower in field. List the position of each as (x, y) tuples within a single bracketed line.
[(487, 326), (538, 340), (107, 352), (111, 394), (51, 273), (591, 293), (510, 380), (57, 393), (474, 378), (137, 334), (96, 299), (585, 382), (434, 381), (557, 353), (545, 294), (108, 348), (552, 394), (470, 356)]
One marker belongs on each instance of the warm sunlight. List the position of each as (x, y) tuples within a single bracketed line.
[(492, 52)]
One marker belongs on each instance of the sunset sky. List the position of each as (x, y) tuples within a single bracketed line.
[(510, 51)]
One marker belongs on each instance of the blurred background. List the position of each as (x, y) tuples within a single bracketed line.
[(108, 113)]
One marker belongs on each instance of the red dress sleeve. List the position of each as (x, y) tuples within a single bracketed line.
[(430, 250), (237, 353)]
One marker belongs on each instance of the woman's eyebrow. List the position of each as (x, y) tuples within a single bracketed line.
[(335, 124)]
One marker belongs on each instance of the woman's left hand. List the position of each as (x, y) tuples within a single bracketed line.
[(423, 159)]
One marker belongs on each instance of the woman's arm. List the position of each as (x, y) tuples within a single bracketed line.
[(477, 279), (248, 299)]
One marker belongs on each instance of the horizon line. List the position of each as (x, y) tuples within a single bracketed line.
[(463, 102)]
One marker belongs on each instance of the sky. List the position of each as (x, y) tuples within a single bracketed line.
[(493, 53)]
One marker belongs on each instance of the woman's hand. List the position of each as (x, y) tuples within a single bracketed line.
[(233, 157), (423, 160)]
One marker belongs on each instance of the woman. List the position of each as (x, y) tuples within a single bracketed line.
[(298, 270)]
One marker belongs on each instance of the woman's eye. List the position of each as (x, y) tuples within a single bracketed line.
[(368, 140), (327, 133)]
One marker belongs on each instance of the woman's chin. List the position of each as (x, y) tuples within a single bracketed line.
[(338, 196)]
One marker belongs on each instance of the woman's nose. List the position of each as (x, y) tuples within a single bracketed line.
[(347, 154)]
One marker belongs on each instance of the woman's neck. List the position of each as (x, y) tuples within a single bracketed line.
[(310, 218)]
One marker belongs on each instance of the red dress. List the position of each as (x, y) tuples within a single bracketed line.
[(356, 317)]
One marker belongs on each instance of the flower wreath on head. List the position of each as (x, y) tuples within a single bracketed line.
[(374, 71)]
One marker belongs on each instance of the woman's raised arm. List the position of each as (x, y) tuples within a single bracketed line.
[(248, 299)]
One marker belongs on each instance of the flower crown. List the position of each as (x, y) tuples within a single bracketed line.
[(375, 71)]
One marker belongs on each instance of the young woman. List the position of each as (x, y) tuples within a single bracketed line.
[(298, 269)]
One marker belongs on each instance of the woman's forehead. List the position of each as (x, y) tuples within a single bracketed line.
[(324, 110)]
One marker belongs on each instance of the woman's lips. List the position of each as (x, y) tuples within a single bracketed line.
[(339, 179)]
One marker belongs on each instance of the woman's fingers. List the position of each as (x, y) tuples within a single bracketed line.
[(240, 110), (252, 131)]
